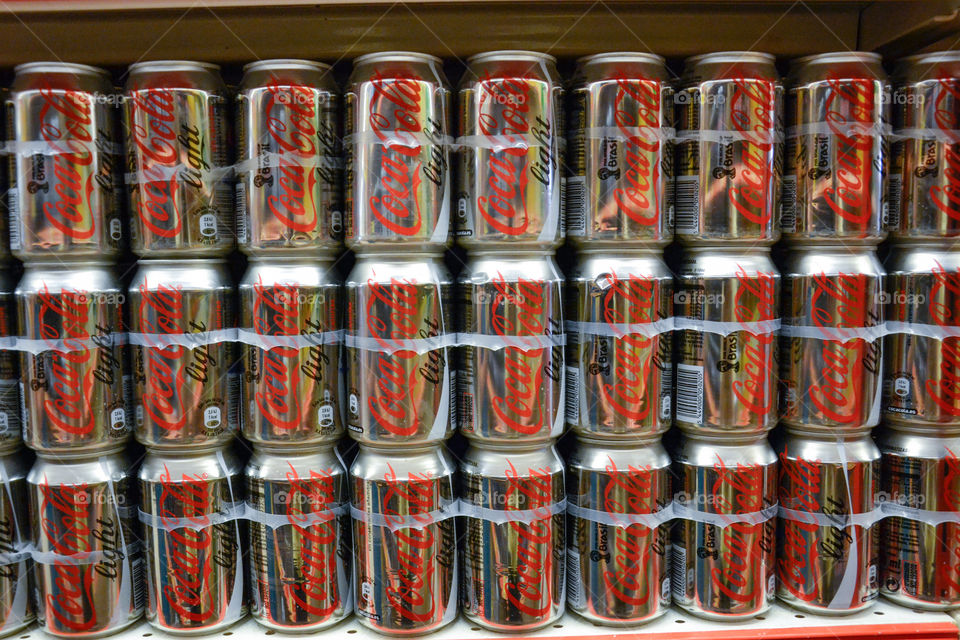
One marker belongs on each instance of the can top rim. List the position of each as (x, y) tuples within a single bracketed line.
[(515, 54), (832, 434), (86, 455), (66, 265), (632, 56), (285, 259), (520, 254), (286, 63), (932, 57), (180, 65), (838, 56), (759, 249), (845, 248), (52, 66), (740, 56), (166, 262), (726, 439), (405, 56)]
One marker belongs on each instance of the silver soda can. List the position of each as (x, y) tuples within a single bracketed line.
[(729, 149), (723, 542), (837, 119), (17, 608), (64, 198), (397, 183), (11, 429), (404, 539), (619, 373), (922, 374), (185, 383), (511, 125), (826, 558), (175, 123), (620, 157), (289, 317), (288, 159), (727, 358), (71, 319), (88, 559), (300, 553), (399, 329), (618, 551), (830, 345), (511, 360), (513, 545), (190, 501)]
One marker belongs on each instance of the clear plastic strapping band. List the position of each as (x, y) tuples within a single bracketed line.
[(727, 136), (946, 136), (65, 146), (297, 520), (300, 341), (525, 343), (504, 516), (399, 138), (621, 329), (623, 520), (166, 173), (448, 509), (629, 134), (393, 345), (273, 160), (722, 520), (758, 327), (188, 340), (840, 520), (836, 334), (36, 346), (846, 129)]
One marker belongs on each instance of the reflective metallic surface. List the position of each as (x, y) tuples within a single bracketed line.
[(17, 609), (11, 433)]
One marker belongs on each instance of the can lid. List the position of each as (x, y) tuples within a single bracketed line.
[(396, 56), (174, 65), (192, 263), (928, 430), (56, 263), (932, 57), (622, 56), (867, 57), (512, 54), (821, 433), (293, 448), (511, 253), (726, 439), (731, 56), (622, 441), (391, 448), (512, 446), (85, 455), (60, 67), (285, 63)]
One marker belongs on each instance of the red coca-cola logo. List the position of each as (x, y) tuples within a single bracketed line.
[(946, 197), (756, 301), (948, 572), (945, 391), (850, 102), (637, 105), (152, 127), (798, 563), (753, 109), (531, 592), (161, 312), (294, 134), (275, 314)]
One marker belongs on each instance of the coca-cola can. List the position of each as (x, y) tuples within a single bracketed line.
[(404, 539), (289, 322), (397, 123), (185, 381), (399, 330), (89, 558), (922, 374), (300, 556), (73, 357), (511, 359), (723, 542), (10, 403), (729, 149), (65, 164), (619, 186), (618, 551), (17, 608), (830, 345), (513, 546), (828, 542), (619, 373), (288, 159), (190, 502), (838, 115), (727, 358), (510, 129), (175, 123)]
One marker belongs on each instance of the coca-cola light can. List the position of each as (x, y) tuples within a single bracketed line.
[(11, 428), (17, 609), (289, 168)]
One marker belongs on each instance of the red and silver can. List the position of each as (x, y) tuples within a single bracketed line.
[(404, 539), (511, 126), (288, 159), (511, 359), (828, 538), (297, 504), (11, 407), (399, 330), (833, 178), (619, 373), (185, 387), (17, 609), (88, 559), (73, 358), (618, 548), (830, 345), (181, 197), (190, 504), (398, 187), (724, 538), (513, 546), (730, 149), (290, 314), (620, 159), (65, 163)]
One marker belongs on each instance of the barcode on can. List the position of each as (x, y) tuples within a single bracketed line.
[(576, 206), (464, 398), (574, 590), (240, 206), (910, 578), (689, 393), (233, 400), (788, 204), (137, 584), (892, 205), (573, 395), (678, 571), (13, 205), (687, 204)]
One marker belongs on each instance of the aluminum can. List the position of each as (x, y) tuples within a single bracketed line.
[(189, 503), (513, 545), (177, 168), (619, 373), (397, 122), (289, 165), (618, 560), (299, 538), (922, 374), (510, 363), (64, 197), (404, 539), (399, 329), (11, 429), (74, 399), (924, 177), (723, 561), (838, 114), (290, 315), (185, 380), (727, 362), (830, 349), (511, 125), (619, 187), (730, 149), (826, 563), (17, 609), (89, 560)]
